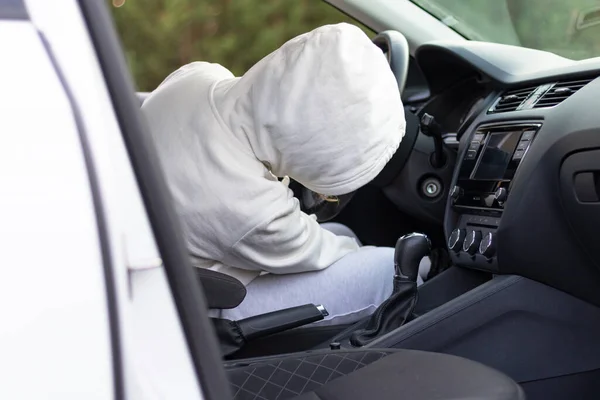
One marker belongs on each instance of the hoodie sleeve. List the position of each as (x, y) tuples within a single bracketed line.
[(289, 241)]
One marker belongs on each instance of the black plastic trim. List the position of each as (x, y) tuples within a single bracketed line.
[(103, 235), (443, 62), (13, 10), (187, 294)]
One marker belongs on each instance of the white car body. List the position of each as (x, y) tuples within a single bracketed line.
[(87, 312)]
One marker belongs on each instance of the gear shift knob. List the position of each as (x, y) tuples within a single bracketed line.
[(410, 250), (399, 307)]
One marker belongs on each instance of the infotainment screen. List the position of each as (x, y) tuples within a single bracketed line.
[(497, 155)]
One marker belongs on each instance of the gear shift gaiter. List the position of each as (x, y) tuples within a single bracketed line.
[(397, 309)]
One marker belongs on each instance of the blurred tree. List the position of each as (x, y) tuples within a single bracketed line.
[(161, 35)]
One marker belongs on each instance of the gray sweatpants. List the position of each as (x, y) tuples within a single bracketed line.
[(349, 289)]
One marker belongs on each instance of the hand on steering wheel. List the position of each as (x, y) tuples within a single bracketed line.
[(324, 208)]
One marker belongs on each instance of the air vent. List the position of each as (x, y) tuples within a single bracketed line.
[(559, 92), (511, 100)]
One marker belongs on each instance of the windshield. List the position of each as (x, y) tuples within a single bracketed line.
[(569, 28)]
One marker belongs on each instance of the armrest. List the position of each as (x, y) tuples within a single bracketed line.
[(221, 291), (281, 320)]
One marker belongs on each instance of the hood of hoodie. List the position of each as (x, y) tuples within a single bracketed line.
[(323, 109)]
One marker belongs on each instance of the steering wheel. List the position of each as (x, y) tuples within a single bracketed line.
[(395, 47)]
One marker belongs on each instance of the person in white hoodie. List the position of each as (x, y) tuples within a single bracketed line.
[(323, 109)]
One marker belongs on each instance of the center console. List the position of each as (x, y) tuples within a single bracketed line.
[(508, 320), (481, 189)]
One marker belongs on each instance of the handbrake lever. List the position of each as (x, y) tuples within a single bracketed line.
[(234, 335), (281, 320)]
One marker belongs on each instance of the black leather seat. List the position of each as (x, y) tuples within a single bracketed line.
[(368, 374)]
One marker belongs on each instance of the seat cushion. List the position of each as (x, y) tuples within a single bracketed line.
[(369, 374)]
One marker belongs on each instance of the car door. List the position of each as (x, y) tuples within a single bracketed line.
[(98, 299), (55, 335)]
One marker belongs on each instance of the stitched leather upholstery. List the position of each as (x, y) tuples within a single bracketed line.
[(368, 375), (285, 378)]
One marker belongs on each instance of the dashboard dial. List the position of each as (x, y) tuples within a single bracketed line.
[(456, 239), (487, 247), (471, 243)]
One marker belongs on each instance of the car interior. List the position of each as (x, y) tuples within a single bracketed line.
[(498, 181)]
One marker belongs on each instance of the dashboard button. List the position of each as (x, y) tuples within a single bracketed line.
[(474, 145), (487, 247), (471, 154), (456, 239), (518, 154), (472, 241), (478, 137), (527, 135), (523, 144)]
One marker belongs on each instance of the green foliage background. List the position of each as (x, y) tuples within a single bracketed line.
[(161, 35)]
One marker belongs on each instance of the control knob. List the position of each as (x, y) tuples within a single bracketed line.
[(455, 192), (487, 247), (501, 195), (456, 239), (472, 241)]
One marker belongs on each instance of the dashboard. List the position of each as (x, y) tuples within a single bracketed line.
[(524, 193), (457, 104)]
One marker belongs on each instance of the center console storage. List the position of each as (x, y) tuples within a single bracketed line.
[(482, 187), (532, 332)]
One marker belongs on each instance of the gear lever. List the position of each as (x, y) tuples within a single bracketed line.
[(410, 250), (397, 309)]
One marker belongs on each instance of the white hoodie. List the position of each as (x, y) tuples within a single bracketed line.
[(323, 109)]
